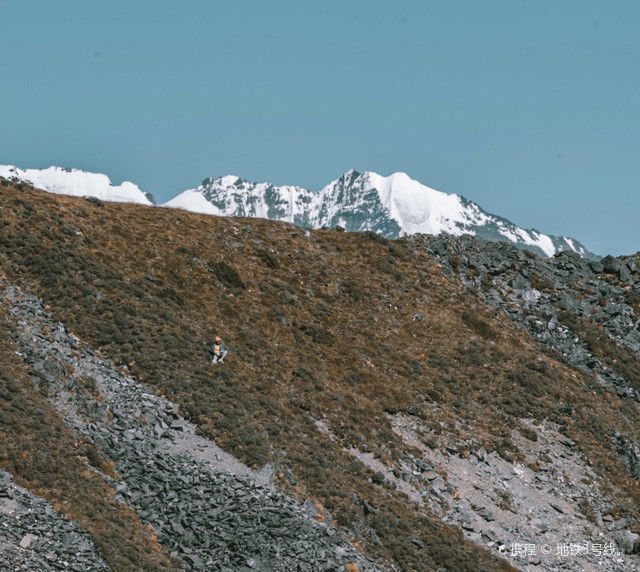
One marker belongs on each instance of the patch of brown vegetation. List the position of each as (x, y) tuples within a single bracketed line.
[(322, 328), (633, 299)]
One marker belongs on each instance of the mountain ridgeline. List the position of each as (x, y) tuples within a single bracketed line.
[(392, 206), (420, 403)]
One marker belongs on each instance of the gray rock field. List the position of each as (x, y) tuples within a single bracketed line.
[(33, 536)]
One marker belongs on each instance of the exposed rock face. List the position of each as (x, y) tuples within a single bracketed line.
[(630, 453), (208, 508), (547, 506), (567, 303), (589, 311)]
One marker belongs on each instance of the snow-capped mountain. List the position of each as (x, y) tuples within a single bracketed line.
[(392, 206), (233, 196), (78, 183)]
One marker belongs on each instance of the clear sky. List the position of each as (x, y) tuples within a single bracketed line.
[(529, 108)]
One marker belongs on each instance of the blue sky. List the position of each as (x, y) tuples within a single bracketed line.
[(531, 109)]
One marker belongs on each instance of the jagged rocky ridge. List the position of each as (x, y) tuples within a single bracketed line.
[(391, 206), (207, 507)]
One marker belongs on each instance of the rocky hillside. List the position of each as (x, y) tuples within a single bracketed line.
[(587, 311), (385, 405)]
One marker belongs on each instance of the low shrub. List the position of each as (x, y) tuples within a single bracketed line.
[(227, 275)]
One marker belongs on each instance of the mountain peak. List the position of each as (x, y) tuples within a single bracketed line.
[(75, 182), (350, 174), (394, 205), (400, 177), (228, 180)]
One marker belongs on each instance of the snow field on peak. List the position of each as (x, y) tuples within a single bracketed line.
[(194, 201), (228, 180), (232, 196), (421, 209), (77, 183)]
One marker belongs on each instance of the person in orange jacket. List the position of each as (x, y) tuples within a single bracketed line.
[(218, 351)]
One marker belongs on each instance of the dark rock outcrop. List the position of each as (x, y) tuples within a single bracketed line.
[(579, 308)]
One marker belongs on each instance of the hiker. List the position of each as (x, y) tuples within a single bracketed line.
[(218, 351)]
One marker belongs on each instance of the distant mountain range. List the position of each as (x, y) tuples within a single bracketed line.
[(392, 206)]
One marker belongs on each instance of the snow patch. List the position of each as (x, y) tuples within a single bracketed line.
[(193, 201), (228, 180), (421, 209), (77, 183)]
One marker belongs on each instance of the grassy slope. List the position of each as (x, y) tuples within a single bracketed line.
[(318, 328)]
